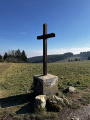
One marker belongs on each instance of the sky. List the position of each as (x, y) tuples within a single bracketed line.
[(21, 21)]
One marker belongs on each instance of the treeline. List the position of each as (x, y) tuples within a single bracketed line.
[(14, 56)]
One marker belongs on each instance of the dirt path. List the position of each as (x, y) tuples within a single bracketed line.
[(83, 113), (0, 94)]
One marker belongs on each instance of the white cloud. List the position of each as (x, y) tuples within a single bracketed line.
[(57, 51), (34, 53), (73, 50)]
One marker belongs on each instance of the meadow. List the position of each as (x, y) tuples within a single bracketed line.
[(16, 80)]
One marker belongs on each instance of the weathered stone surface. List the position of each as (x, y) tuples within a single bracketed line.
[(40, 101), (45, 85)]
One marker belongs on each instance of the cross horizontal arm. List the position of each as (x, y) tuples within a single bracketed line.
[(46, 36)]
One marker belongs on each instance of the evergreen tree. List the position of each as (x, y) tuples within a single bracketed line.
[(76, 59), (5, 55), (0, 58), (18, 54), (23, 56), (88, 57), (13, 53)]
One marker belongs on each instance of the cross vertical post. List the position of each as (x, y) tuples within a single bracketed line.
[(44, 50)]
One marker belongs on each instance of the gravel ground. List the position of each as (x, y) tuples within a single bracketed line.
[(83, 114)]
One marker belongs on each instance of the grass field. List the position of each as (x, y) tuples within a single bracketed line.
[(16, 80)]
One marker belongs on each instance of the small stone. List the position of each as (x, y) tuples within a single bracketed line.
[(75, 118), (40, 101), (71, 89), (53, 105), (58, 100), (54, 102), (66, 101), (72, 118)]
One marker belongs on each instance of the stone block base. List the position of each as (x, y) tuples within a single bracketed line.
[(45, 85)]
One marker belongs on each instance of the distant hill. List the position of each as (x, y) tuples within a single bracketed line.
[(61, 57), (84, 55)]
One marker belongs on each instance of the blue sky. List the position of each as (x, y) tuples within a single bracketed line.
[(21, 21)]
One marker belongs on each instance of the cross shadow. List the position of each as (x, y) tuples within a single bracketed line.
[(29, 108), (27, 99)]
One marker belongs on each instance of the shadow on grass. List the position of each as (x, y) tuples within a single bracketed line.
[(27, 99)]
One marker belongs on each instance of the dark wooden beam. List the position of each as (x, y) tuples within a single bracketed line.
[(46, 36), (44, 50)]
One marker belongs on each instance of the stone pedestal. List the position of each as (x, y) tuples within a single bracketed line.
[(45, 85)]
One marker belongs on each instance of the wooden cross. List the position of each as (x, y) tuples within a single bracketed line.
[(44, 37)]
